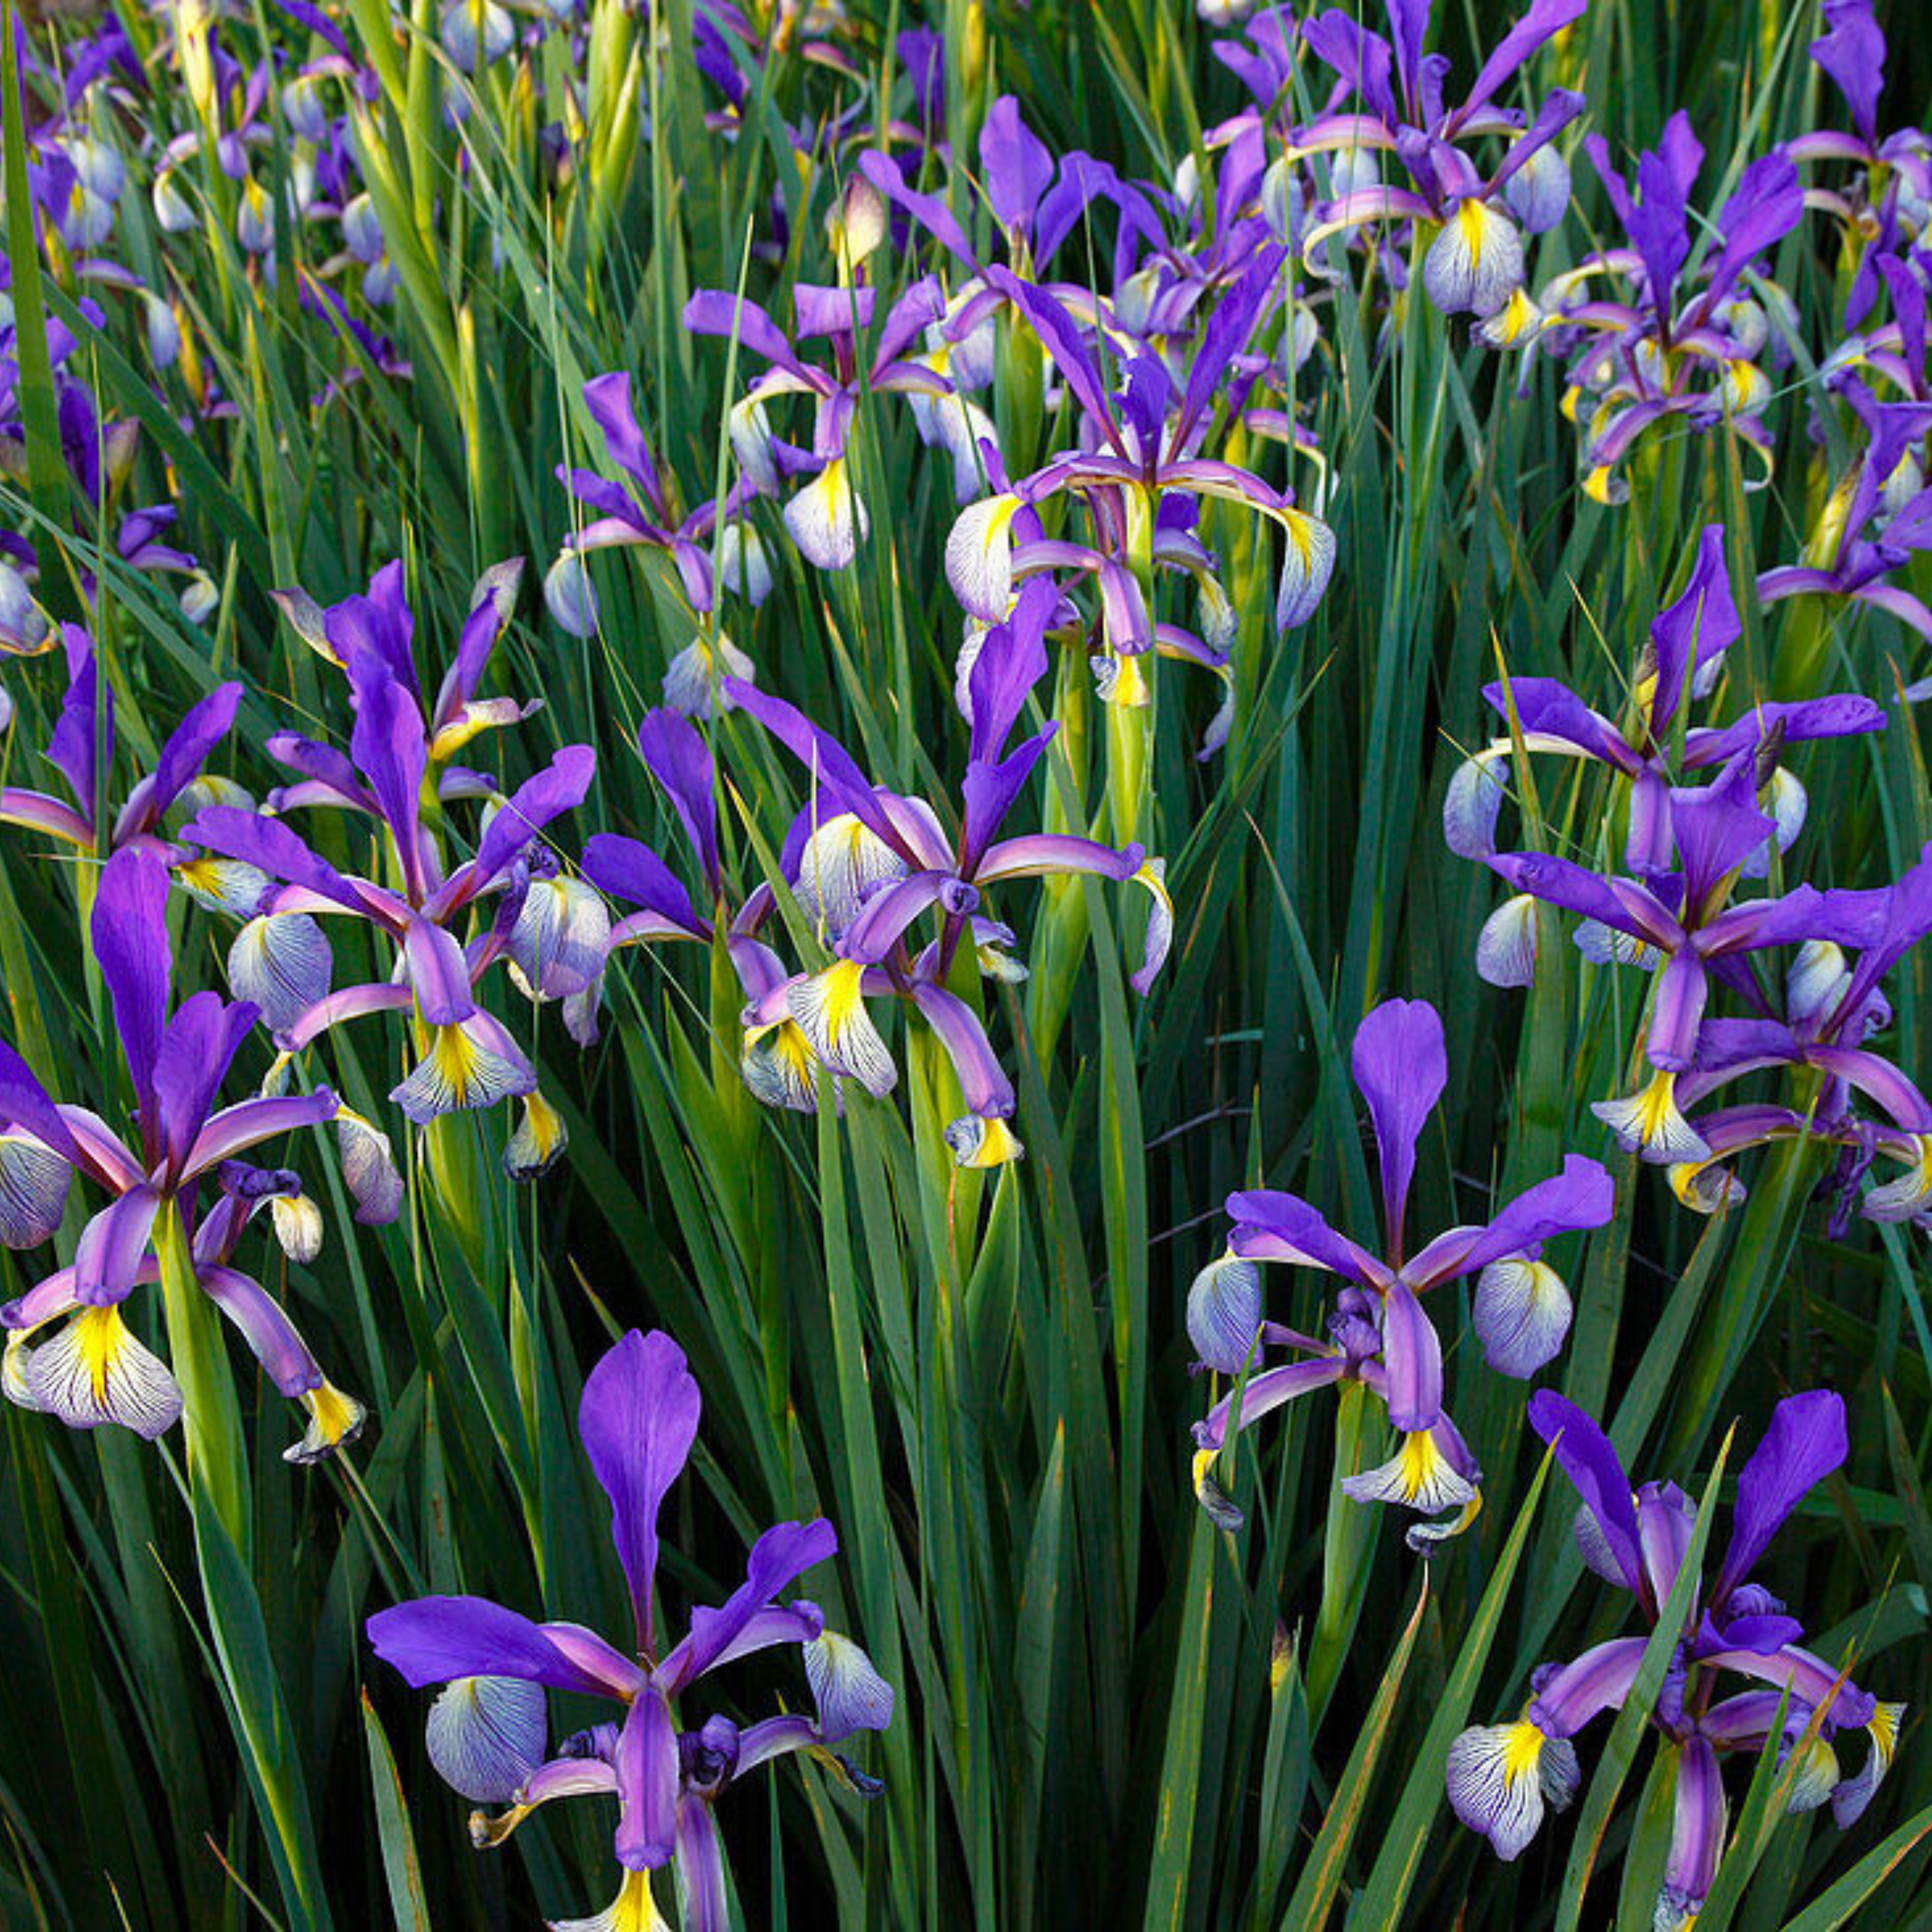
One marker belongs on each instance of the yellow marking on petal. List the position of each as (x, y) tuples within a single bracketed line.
[(1596, 486), (1421, 1461), (1659, 1104), (1523, 1750), (995, 1145), (1883, 1728), (1473, 229), (201, 875), (453, 736), (99, 1335), (1129, 686), (455, 1058), (842, 981)]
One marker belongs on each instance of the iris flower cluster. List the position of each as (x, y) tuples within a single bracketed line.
[(1502, 1777), (1673, 910)]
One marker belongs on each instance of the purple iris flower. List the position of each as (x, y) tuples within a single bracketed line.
[(825, 518), (1893, 191), (642, 514), (1036, 202), (1683, 923), (100, 460), (550, 929), (81, 749), (868, 865), (1832, 1005), (1140, 476), (93, 1370), (1502, 1777), (1686, 345), (1683, 659), (1380, 1334), (1388, 99), (487, 1728), (1880, 518)]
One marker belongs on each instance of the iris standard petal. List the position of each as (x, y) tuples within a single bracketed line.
[(638, 1418)]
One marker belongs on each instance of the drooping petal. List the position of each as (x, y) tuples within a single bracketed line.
[(847, 1688), (1506, 946), (826, 519), (1521, 1314), (473, 1063), (94, 1372), (281, 964), (828, 1009), (1475, 264), (1495, 1781), (1224, 1313), (486, 1735), (1590, 1463), (34, 1183)]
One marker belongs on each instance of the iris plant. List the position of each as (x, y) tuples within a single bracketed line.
[(487, 1729), (1380, 1334), (1502, 1777), (94, 1370)]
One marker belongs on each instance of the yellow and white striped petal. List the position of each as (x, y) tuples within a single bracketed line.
[(1419, 1476), (982, 1143), (223, 885), (94, 1372), (1649, 1124), (1908, 1193), (826, 519), (298, 1226), (1818, 1775), (334, 1420), (1704, 1187), (777, 1064), (1475, 264), (538, 1142), (1850, 1800), (829, 1008), (632, 1910), (1500, 1777), (460, 1071), (979, 556), (842, 865), (1515, 325)]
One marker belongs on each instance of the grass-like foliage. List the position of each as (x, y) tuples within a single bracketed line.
[(964, 963)]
